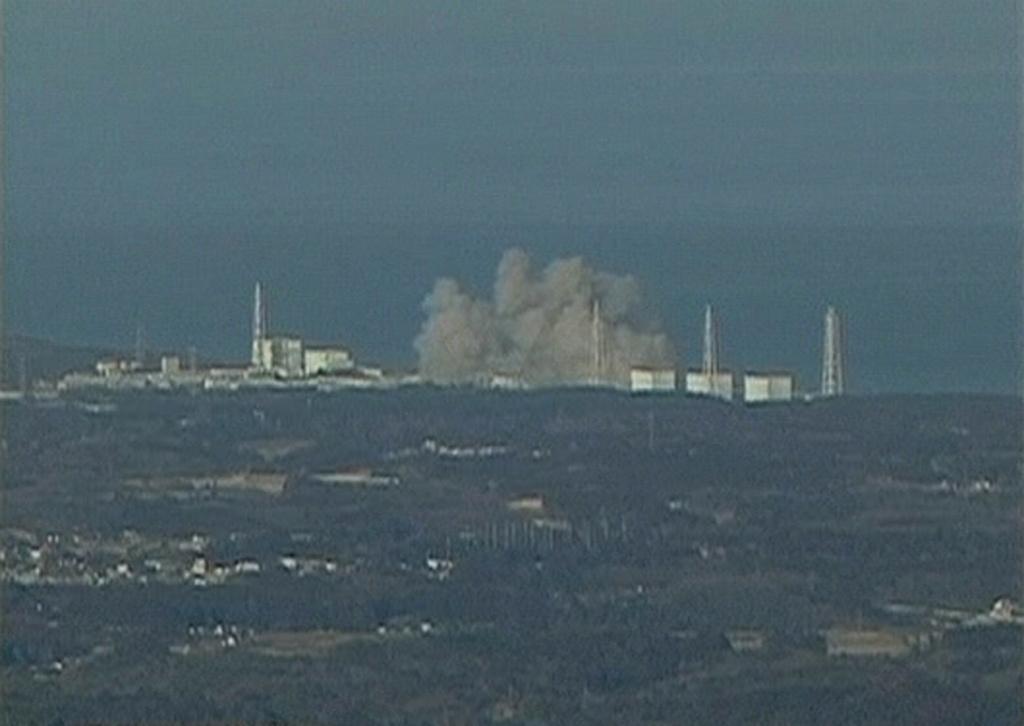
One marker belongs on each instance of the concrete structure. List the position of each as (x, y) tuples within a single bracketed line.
[(263, 355), (648, 380), (322, 360), (767, 387), (282, 356), (718, 385), (116, 367), (170, 365), (287, 356)]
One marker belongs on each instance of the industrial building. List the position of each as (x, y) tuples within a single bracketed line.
[(282, 356), (325, 360), (115, 367), (710, 380), (287, 356), (170, 365), (287, 361), (717, 385), (276, 362), (643, 379), (766, 387)]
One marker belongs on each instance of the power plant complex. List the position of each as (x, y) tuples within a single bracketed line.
[(712, 381), (287, 361), (276, 361), (285, 356)]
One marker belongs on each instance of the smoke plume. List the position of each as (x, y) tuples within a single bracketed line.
[(565, 324)]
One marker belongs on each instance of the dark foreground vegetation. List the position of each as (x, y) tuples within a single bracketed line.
[(432, 557)]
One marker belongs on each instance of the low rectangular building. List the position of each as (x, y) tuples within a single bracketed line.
[(322, 360), (717, 385), (115, 367), (649, 380), (864, 643), (767, 387), (170, 365)]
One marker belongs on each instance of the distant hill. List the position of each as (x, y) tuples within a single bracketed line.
[(45, 359)]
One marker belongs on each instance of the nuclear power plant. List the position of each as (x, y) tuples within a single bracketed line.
[(569, 326)]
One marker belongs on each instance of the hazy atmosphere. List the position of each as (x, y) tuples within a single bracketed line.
[(770, 158), (512, 363)]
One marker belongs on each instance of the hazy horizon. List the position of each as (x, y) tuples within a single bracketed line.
[(769, 160)]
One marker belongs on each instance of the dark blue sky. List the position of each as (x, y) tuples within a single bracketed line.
[(767, 157)]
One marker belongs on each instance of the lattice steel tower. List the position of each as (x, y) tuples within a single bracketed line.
[(832, 374)]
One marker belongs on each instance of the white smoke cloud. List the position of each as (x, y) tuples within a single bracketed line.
[(539, 327)]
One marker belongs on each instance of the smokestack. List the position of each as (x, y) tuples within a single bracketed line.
[(832, 374), (259, 326), (711, 343), (597, 344)]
